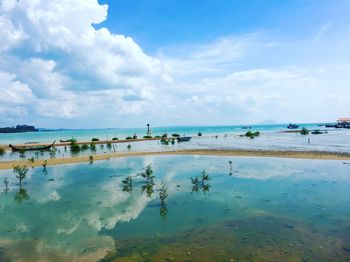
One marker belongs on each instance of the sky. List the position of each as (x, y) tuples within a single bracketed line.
[(125, 63)]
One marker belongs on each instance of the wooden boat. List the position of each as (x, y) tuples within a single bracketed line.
[(184, 139), (31, 148)]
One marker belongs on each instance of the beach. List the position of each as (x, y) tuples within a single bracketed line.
[(250, 153)]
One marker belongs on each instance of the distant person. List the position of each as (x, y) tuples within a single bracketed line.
[(134, 136)]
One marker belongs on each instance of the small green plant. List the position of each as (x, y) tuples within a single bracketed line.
[(252, 135), (201, 182), (157, 137), (127, 184), (115, 138), (147, 137), (165, 135), (22, 153), (128, 138), (21, 196), (128, 146), (72, 140), (92, 147), (175, 135), (109, 145), (31, 159), (84, 147), (163, 194), (94, 139), (173, 141), (6, 185), (148, 174), (44, 164), (2, 151), (21, 172), (74, 147), (148, 187), (304, 131), (91, 159), (164, 141)]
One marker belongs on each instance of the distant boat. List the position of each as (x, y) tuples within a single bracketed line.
[(184, 139), (292, 126), (246, 127), (31, 148)]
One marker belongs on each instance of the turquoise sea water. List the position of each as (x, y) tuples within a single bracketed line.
[(108, 134), (249, 209), (334, 140)]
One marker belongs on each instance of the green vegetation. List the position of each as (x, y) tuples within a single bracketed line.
[(148, 174), (109, 145), (128, 138), (21, 195), (102, 146), (2, 151), (91, 159), (74, 147), (21, 172), (44, 167), (175, 135), (94, 139), (6, 185), (84, 147), (22, 153), (128, 146), (163, 194), (115, 138), (92, 147), (31, 159), (164, 141), (72, 140), (127, 184), (157, 137), (147, 137), (200, 183), (165, 135), (304, 131), (252, 135)]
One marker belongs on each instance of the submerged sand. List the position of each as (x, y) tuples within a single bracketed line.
[(209, 152)]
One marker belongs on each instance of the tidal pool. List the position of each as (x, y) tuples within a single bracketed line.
[(215, 209)]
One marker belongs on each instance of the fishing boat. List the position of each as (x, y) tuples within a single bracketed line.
[(292, 126), (184, 139), (31, 148)]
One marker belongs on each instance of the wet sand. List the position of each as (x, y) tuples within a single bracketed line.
[(209, 152)]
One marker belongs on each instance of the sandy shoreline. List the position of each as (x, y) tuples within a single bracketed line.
[(209, 152)]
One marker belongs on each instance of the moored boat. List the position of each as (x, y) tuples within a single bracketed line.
[(184, 139), (292, 126), (31, 148)]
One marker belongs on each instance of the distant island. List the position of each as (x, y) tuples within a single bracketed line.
[(18, 129)]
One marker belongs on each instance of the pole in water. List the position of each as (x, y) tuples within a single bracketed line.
[(308, 140)]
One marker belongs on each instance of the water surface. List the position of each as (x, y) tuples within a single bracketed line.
[(249, 209)]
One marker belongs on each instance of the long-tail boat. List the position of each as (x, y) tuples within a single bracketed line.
[(184, 139), (31, 148)]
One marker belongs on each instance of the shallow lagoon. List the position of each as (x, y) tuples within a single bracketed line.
[(260, 209)]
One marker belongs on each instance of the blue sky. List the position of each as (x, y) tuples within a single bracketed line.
[(123, 63), (155, 24)]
